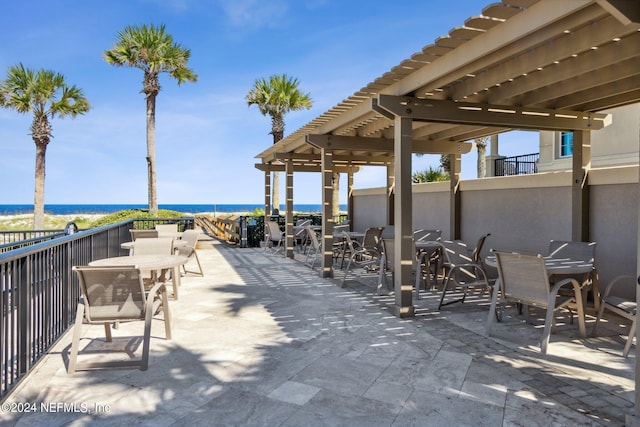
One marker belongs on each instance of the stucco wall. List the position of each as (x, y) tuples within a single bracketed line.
[(525, 212)]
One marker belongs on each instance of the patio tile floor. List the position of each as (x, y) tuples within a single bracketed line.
[(262, 340)]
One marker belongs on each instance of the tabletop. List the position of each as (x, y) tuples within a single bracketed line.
[(176, 244), (143, 262), (148, 262)]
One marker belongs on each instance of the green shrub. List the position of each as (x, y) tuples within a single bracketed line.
[(133, 214)]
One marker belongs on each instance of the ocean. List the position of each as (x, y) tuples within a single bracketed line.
[(185, 208)]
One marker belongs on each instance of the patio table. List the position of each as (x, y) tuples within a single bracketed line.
[(176, 244), (148, 262), (428, 248)]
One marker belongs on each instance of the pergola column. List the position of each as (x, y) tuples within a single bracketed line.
[(327, 213), (455, 166), (289, 208), (267, 196), (580, 186), (350, 207), (391, 179), (403, 256)]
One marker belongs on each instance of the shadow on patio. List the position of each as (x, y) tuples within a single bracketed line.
[(262, 340)]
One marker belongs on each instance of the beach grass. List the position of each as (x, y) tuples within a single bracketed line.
[(83, 221)]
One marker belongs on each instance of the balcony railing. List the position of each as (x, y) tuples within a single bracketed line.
[(40, 293), (517, 165)]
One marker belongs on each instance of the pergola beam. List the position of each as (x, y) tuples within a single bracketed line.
[(303, 168), (356, 143), (491, 115)]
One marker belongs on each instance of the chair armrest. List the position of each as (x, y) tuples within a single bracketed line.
[(612, 282)]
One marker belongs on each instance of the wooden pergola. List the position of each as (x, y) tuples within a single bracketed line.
[(520, 64)]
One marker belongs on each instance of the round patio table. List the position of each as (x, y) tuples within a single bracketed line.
[(148, 262), (425, 249)]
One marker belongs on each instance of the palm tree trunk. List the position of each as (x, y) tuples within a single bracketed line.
[(336, 197), (151, 153), (38, 198), (275, 192)]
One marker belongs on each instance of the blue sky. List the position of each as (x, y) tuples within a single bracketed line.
[(206, 135)]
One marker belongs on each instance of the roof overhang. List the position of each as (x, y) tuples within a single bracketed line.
[(520, 64)]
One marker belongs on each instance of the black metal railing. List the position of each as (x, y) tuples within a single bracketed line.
[(7, 237), (517, 165), (40, 293)]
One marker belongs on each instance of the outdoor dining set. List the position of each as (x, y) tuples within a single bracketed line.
[(565, 278), (133, 287)]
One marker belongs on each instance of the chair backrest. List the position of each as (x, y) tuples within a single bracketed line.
[(143, 234), (372, 237), (349, 242), (158, 246), (581, 251), (424, 235), (302, 224), (167, 228), (112, 293), (313, 238), (338, 229), (388, 250), (455, 252), (475, 255), (191, 237), (523, 277), (273, 230)]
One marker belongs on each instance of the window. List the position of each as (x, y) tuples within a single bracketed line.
[(566, 144)]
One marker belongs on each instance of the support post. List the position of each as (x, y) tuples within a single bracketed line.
[(289, 209), (403, 256), (327, 213), (267, 200), (391, 190), (455, 161), (580, 186), (350, 207)]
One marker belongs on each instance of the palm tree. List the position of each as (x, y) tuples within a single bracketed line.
[(152, 50), (481, 145), (275, 97), (45, 94), (430, 175)]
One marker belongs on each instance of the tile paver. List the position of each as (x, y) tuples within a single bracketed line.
[(262, 340)]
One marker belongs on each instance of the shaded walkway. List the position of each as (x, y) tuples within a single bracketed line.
[(262, 340)]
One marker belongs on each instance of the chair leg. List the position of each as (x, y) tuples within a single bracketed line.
[(493, 308), (346, 272), (547, 329), (598, 317), (75, 343), (632, 334), (167, 314)]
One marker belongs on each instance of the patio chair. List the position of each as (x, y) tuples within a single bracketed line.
[(524, 279), (387, 247), (142, 234), (625, 307), (166, 228), (158, 246), (367, 254), (315, 247), (189, 250), (116, 294), (460, 271), (300, 233), (273, 236), (339, 241)]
